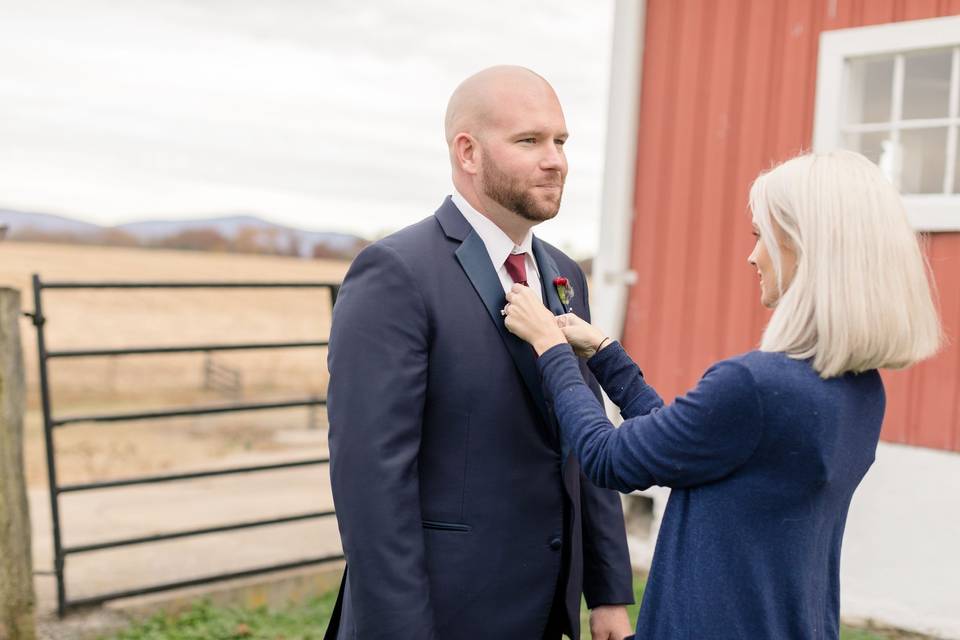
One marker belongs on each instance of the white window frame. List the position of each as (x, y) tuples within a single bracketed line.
[(926, 212)]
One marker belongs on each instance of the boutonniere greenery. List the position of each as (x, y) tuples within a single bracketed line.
[(564, 290)]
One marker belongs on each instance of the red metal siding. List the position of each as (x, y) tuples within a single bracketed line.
[(728, 89)]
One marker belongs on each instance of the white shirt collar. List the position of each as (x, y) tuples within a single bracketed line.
[(499, 245)]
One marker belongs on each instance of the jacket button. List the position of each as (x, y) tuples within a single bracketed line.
[(556, 544)]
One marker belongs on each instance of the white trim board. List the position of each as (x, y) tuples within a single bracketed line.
[(612, 275), (926, 212)]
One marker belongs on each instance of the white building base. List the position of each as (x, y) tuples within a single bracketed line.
[(901, 552)]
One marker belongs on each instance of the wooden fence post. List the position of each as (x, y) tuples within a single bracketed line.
[(17, 599)]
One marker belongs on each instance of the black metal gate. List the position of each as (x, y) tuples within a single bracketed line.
[(52, 422)]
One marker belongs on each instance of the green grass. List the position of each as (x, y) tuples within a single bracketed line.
[(857, 634), (849, 633), (306, 621), (633, 610)]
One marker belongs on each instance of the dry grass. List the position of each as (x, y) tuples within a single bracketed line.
[(117, 318)]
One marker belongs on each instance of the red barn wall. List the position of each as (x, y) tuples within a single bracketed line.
[(728, 88)]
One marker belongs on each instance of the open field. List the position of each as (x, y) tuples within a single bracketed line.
[(112, 318)]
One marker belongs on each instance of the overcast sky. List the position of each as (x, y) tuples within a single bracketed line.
[(322, 114)]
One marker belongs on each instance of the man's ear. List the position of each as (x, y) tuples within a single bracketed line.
[(467, 153)]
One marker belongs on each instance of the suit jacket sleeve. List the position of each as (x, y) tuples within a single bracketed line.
[(607, 574), (378, 370)]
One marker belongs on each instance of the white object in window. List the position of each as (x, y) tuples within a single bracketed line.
[(892, 92)]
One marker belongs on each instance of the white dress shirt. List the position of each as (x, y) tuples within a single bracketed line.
[(499, 245)]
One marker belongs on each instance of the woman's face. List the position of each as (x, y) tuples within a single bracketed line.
[(763, 263)]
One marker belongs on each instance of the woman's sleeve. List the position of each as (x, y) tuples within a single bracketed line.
[(701, 437), (622, 381)]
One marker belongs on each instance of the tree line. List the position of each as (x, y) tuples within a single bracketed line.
[(248, 239)]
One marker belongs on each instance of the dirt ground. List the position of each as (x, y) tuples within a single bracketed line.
[(127, 318)]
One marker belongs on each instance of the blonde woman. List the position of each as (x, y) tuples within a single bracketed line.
[(765, 453)]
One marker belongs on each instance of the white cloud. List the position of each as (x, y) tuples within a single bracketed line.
[(325, 115)]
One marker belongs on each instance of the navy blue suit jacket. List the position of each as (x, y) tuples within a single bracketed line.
[(458, 515)]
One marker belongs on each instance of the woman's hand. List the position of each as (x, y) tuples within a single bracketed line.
[(527, 318), (582, 336)]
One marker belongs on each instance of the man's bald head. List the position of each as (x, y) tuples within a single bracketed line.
[(505, 132), (480, 100)]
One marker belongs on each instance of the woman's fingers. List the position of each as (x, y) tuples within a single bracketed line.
[(519, 292), (515, 292), (522, 298), (526, 317), (524, 311)]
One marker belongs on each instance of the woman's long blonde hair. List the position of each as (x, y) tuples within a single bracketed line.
[(860, 298)]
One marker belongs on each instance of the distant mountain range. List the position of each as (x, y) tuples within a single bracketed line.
[(24, 224), (17, 220)]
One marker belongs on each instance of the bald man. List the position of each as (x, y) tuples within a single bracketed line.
[(462, 514)]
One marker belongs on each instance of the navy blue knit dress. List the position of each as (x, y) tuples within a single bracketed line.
[(763, 457)]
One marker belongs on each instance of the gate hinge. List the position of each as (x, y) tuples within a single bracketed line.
[(37, 320)]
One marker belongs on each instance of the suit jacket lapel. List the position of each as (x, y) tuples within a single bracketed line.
[(475, 260), (548, 272)]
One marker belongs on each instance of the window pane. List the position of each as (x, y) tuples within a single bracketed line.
[(871, 87), (877, 147), (956, 167), (924, 160), (926, 84)]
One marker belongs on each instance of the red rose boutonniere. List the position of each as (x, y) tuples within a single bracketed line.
[(564, 290)]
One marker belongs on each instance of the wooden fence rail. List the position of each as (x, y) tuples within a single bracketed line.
[(17, 599)]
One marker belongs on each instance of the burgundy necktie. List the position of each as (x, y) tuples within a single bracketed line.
[(517, 268)]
